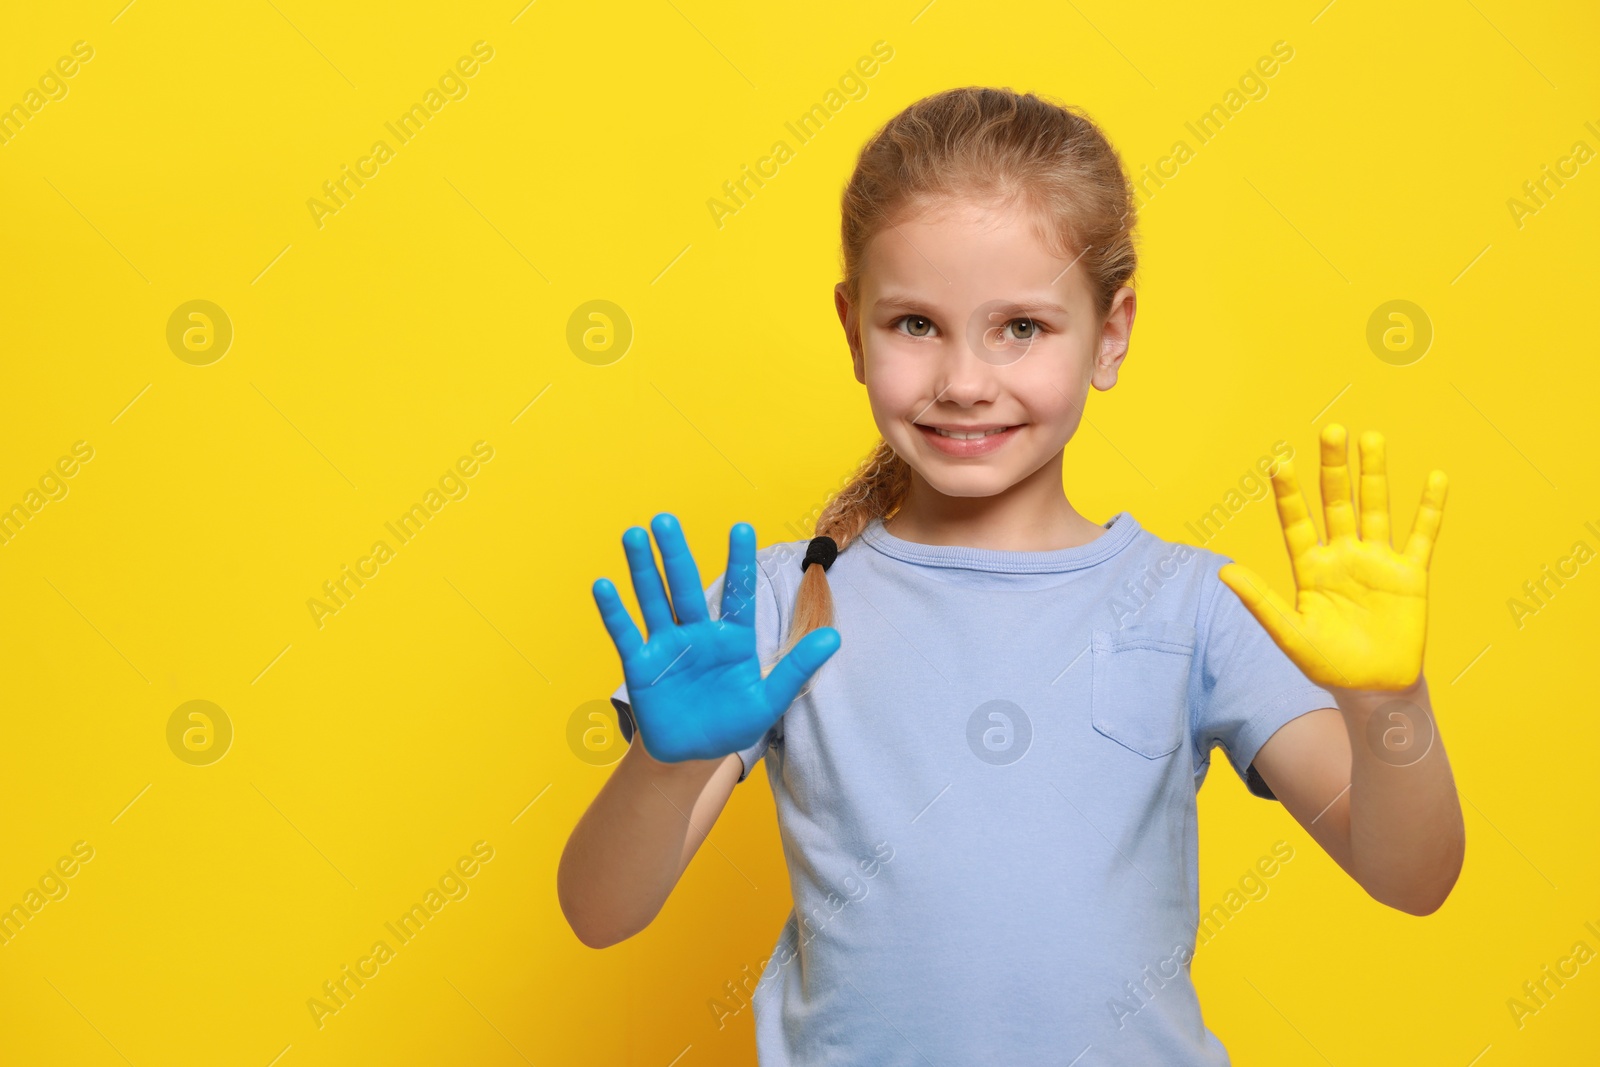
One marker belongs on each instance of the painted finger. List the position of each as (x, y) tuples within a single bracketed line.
[(647, 585), (1270, 609), (1299, 532), (1430, 514), (785, 681), (1338, 512), (683, 577), (619, 624), (739, 580), (1374, 489), (1276, 615)]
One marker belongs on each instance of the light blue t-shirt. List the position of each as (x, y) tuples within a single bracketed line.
[(986, 799)]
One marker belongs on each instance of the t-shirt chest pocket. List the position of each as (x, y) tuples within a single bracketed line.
[(1139, 696)]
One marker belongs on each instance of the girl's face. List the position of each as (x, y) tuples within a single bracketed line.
[(967, 323)]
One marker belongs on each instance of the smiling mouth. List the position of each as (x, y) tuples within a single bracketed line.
[(964, 434), (967, 442)]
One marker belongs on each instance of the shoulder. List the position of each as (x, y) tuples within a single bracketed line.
[(779, 567), (780, 562), (1167, 580), (1148, 541), (1173, 562), (772, 557)]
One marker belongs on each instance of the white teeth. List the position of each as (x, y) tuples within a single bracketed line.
[(969, 436)]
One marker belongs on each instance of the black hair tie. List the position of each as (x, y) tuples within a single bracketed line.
[(823, 550)]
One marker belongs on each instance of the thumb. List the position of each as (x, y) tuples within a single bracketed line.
[(785, 681), (1273, 613)]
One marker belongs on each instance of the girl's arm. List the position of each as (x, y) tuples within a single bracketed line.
[(698, 698), (1369, 780), (636, 839)]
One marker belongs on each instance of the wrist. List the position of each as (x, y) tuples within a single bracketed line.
[(1366, 700), (687, 768)]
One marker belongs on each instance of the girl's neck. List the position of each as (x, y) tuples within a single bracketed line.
[(1017, 520)]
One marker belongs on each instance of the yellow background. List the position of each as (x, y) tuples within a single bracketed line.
[(432, 711)]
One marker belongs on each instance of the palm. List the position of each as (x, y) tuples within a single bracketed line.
[(1359, 620), (712, 663), (696, 685)]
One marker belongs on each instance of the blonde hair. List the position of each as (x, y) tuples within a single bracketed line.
[(985, 143)]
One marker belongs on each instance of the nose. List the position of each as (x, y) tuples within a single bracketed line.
[(963, 377)]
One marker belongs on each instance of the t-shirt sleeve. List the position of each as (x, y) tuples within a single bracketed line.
[(1249, 687), (767, 623)]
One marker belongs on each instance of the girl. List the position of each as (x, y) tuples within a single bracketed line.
[(987, 796)]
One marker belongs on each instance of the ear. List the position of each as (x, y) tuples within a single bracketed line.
[(1115, 333), (852, 331)]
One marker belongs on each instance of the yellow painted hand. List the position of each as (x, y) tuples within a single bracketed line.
[(1360, 616)]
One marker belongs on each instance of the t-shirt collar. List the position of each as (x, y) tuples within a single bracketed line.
[(1121, 529)]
